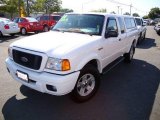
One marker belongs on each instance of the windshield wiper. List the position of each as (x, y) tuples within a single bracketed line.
[(77, 31)]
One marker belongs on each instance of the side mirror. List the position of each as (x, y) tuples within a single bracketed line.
[(144, 24), (111, 33)]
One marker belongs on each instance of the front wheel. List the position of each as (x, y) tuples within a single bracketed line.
[(87, 84), (129, 56)]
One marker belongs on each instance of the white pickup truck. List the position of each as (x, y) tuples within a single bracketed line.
[(71, 57), (141, 28)]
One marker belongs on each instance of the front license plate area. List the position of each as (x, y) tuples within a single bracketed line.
[(23, 76)]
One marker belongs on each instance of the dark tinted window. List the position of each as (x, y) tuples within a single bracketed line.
[(45, 18), (16, 20), (112, 25), (21, 20), (38, 18), (121, 23), (56, 18), (138, 21)]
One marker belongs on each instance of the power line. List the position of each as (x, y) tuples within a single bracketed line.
[(131, 6)]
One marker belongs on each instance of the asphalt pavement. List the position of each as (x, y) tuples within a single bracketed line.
[(127, 91)]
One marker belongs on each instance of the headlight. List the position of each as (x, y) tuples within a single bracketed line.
[(10, 52), (58, 64)]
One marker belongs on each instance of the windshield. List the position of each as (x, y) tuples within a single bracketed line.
[(81, 23), (138, 21)]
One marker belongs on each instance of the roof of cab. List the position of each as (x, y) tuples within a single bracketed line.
[(104, 14)]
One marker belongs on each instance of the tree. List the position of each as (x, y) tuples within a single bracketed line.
[(154, 13), (52, 5), (47, 6), (103, 10), (11, 7), (126, 13), (145, 17), (66, 10), (113, 12), (135, 14)]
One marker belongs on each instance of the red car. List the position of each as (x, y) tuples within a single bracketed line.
[(28, 24), (47, 21)]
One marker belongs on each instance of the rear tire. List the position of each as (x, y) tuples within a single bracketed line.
[(87, 84), (46, 28), (129, 56), (1, 35), (23, 31)]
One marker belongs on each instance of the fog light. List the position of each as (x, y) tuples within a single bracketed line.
[(51, 88)]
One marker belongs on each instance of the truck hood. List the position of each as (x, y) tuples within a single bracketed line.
[(55, 43)]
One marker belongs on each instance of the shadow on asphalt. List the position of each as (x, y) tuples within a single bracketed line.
[(127, 92), (147, 43), (7, 38)]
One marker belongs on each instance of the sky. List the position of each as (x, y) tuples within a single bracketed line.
[(142, 7)]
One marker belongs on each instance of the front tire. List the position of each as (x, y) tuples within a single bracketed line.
[(87, 84), (129, 56)]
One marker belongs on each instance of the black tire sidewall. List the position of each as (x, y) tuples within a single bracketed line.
[(127, 58), (25, 31), (89, 69)]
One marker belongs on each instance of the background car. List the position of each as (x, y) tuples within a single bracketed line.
[(8, 27), (48, 21), (157, 28), (28, 24)]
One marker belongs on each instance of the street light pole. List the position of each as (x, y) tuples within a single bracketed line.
[(118, 9)]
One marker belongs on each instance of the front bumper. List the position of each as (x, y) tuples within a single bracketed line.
[(39, 80)]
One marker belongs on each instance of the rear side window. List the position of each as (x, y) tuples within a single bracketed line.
[(16, 20), (112, 25), (56, 18), (45, 18), (121, 23), (130, 23), (133, 23), (21, 20), (138, 21)]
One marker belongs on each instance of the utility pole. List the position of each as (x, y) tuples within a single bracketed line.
[(121, 11), (118, 9), (27, 8), (19, 8), (131, 10)]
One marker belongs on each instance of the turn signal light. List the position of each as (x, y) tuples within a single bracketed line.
[(65, 65)]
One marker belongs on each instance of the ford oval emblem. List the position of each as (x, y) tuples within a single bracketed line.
[(24, 59)]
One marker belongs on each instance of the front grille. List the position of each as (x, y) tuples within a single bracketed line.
[(26, 59)]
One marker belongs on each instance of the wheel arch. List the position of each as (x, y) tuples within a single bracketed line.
[(95, 61)]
